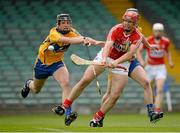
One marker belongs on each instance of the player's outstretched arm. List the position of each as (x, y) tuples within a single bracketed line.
[(72, 40), (91, 41), (146, 43), (100, 43), (80, 40)]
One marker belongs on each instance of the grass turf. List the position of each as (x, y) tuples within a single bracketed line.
[(112, 123)]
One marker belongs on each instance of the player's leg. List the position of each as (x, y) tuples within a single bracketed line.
[(87, 78), (107, 93), (34, 85), (160, 78), (41, 73), (108, 89), (77, 90), (159, 94), (118, 83), (139, 75), (61, 75)]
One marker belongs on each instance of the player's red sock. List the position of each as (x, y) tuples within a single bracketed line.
[(157, 110), (67, 103), (98, 115)]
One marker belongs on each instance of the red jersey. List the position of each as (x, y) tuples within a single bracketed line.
[(121, 41), (156, 57)]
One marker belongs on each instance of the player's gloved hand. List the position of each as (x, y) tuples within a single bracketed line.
[(89, 41)]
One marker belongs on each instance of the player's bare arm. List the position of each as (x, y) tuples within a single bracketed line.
[(72, 40), (90, 41), (105, 52), (146, 43), (169, 57), (100, 43), (139, 56), (125, 57), (79, 40)]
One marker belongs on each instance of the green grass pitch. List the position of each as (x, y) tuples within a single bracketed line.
[(112, 123)]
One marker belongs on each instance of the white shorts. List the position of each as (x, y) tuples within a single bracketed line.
[(156, 72), (98, 58)]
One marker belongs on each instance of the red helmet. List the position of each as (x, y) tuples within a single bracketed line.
[(131, 15)]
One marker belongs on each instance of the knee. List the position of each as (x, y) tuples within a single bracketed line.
[(146, 84), (64, 84)]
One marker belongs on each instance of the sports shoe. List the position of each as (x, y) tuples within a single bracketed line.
[(161, 114), (94, 123), (154, 117), (59, 110), (25, 90), (70, 118), (101, 122)]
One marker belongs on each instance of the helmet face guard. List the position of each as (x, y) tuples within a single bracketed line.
[(158, 30), (130, 17), (63, 17)]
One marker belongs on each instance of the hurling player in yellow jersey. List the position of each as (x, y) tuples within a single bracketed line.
[(49, 61)]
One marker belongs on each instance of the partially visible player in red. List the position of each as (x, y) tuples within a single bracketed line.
[(121, 45), (155, 63)]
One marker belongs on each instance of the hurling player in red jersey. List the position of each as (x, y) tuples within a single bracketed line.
[(122, 42), (155, 63)]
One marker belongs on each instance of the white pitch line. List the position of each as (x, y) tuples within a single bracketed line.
[(51, 129)]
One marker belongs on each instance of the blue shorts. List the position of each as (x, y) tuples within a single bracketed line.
[(44, 71), (133, 65)]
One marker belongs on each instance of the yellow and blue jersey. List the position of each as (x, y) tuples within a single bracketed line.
[(48, 57)]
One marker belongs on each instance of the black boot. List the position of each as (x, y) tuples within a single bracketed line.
[(25, 90)]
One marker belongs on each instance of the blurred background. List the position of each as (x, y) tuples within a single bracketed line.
[(24, 24)]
